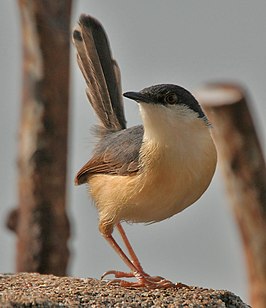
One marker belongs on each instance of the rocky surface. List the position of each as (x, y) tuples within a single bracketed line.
[(35, 290)]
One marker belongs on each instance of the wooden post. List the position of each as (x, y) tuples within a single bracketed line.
[(42, 225), (228, 109)]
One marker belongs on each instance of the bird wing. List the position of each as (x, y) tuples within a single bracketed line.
[(117, 154)]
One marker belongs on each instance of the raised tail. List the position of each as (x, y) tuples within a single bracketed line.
[(101, 73)]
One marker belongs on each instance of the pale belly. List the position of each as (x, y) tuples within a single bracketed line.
[(161, 192), (166, 194)]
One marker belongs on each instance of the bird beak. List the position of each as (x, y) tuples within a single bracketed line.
[(138, 97)]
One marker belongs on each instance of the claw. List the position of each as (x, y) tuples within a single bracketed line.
[(117, 274), (143, 281)]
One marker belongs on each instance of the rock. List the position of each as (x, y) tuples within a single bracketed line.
[(35, 290)]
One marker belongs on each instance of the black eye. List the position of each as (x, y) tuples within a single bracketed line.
[(171, 98)]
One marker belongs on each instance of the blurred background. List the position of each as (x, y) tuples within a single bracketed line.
[(181, 42)]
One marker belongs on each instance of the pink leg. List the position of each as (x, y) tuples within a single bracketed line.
[(134, 258), (144, 280), (122, 255), (131, 252)]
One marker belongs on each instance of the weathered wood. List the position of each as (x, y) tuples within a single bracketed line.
[(42, 224), (243, 166)]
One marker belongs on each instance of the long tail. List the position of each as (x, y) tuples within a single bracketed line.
[(101, 73)]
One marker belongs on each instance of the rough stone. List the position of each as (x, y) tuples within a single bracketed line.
[(35, 290)]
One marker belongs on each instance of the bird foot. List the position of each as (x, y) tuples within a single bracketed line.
[(143, 281), (117, 274)]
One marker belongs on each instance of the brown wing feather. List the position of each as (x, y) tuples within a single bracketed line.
[(117, 154), (108, 167)]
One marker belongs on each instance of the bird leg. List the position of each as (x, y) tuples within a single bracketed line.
[(134, 258), (144, 280)]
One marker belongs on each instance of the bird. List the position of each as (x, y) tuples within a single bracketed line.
[(145, 173)]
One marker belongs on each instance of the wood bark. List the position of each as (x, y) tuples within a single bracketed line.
[(42, 224), (229, 110)]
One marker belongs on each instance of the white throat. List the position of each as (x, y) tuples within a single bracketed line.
[(163, 124)]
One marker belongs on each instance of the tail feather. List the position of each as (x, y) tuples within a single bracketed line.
[(101, 73)]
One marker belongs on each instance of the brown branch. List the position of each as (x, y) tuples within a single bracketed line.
[(244, 171), (42, 226)]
